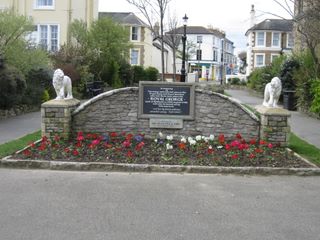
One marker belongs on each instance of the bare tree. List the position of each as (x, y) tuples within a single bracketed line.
[(173, 39), (150, 8)]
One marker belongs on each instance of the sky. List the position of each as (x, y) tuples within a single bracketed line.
[(231, 16)]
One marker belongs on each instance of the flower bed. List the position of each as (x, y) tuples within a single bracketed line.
[(169, 150)]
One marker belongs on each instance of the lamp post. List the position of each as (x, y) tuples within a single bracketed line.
[(184, 38)]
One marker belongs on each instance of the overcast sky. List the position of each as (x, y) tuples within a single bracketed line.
[(232, 16)]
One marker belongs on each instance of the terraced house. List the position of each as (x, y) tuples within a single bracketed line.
[(52, 18)]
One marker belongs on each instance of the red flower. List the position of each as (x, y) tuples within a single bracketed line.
[(234, 156), (221, 139), (79, 144), (32, 145), (140, 146), (129, 136), (210, 150), (113, 134), (243, 146), (66, 150), (182, 145), (258, 150), (42, 147), (270, 145), (44, 139), (235, 143), (95, 142), (238, 135), (228, 147), (253, 141), (252, 156), (107, 145), (126, 144), (80, 136), (26, 152), (262, 142), (130, 154), (75, 152), (56, 138)]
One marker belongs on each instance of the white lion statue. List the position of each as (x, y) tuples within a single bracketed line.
[(62, 85), (272, 93)]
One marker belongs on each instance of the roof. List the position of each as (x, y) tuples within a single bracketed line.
[(197, 30), (127, 18), (283, 25)]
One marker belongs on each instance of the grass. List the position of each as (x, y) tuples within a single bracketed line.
[(304, 149), (15, 145)]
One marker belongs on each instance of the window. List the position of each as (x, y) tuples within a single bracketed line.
[(199, 39), (274, 56), (46, 36), (134, 33), (215, 55), (134, 57), (199, 54), (276, 39), (259, 60), (44, 4), (290, 41), (260, 39)]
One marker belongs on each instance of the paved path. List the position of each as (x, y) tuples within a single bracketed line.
[(302, 125), (16, 127), (37, 205)]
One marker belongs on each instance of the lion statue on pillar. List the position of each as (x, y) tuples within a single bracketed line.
[(272, 93), (62, 85)]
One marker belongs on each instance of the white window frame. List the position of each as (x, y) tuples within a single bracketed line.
[(36, 35), (288, 34), (274, 55), (200, 39), (279, 42), (138, 33), (44, 7), (264, 39), (138, 59), (255, 59)]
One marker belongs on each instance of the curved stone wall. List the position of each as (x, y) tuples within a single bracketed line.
[(117, 111)]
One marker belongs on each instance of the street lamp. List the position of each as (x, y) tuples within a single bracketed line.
[(184, 38)]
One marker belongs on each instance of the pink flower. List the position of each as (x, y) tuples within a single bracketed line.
[(126, 144), (228, 147), (75, 152), (270, 145)]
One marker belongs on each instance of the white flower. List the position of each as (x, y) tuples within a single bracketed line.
[(206, 139), (210, 147), (190, 139), (219, 147), (198, 138), (193, 142), (211, 137), (169, 146), (160, 135), (183, 140), (169, 137), (156, 140)]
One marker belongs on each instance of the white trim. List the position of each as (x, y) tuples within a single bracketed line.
[(138, 60), (279, 43), (48, 35), (39, 7), (255, 59), (274, 49), (288, 40), (139, 33), (256, 39)]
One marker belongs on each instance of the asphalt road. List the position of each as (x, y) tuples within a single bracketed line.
[(52, 205)]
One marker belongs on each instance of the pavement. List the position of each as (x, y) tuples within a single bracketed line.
[(55, 205), (302, 125), (19, 126)]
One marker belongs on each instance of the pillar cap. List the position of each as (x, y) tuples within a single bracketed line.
[(272, 111), (61, 103)]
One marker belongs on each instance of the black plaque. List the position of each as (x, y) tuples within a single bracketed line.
[(167, 100)]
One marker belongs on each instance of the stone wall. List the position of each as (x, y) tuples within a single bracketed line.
[(117, 111)]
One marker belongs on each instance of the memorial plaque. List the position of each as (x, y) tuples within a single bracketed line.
[(170, 100), (166, 123)]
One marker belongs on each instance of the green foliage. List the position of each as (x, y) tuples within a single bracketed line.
[(138, 74), (315, 104), (151, 74), (45, 96), (286, 74), (235, 81), (12, 86)]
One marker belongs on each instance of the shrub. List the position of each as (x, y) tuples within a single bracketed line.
[(235, 81), (151, 74), (138, 74), (315, 104), (286, 74), (13, 85)]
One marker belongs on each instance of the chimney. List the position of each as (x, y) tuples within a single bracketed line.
[(156, 29), (252, 16)]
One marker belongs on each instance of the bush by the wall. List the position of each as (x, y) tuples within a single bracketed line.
[(151, 74), (12, 87)]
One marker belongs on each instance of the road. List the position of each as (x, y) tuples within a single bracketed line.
[(52, 205)]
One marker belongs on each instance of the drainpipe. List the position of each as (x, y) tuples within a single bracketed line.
[(69, 22)]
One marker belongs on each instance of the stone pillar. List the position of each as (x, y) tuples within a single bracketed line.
[(56, 117), (274, 125)]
